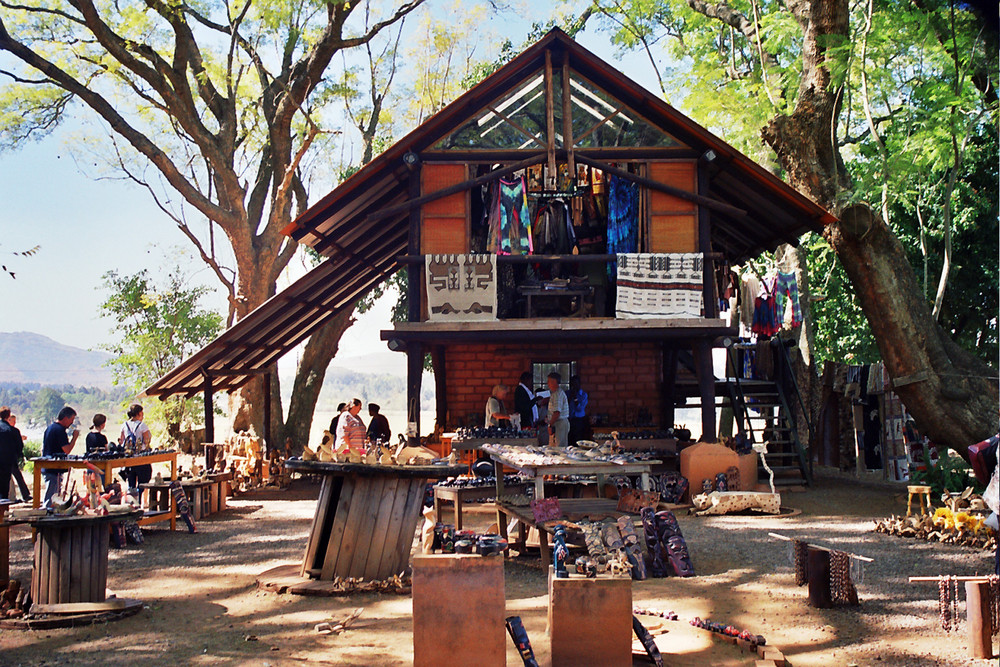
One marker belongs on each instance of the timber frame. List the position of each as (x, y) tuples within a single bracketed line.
[(370, 226)]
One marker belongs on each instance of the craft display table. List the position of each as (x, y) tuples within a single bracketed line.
[(106, 466), (459, 495), (366, 516), (206, 496), (537, 472), (71, 557)]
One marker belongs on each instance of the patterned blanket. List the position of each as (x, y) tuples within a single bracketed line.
[(655, 285), (461, 287)]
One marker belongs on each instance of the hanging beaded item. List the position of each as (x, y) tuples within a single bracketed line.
[(800, 550), (948, 603), (995, 602), (842, 589)]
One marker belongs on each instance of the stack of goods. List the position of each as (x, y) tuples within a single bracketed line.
[(494, 433), (668, 552), (532, 456), (612, 546), (447, 540), (961, 521), (244, 453), (113, 451), (89, 501)]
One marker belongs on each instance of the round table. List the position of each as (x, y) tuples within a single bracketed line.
[(71, 557), (365, 518)]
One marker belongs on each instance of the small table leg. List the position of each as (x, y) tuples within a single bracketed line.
[(36, 497), (501, 515), (458, 511)]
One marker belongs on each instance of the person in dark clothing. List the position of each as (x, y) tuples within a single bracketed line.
[(336, 418), (378, 427), (56, 442), (11, 448), (96, 440), (16, 470), (579, 426), (525, 401)]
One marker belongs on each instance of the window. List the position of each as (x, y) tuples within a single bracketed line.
[(540, 372)]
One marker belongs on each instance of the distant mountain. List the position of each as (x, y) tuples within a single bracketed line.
[(31, 357)]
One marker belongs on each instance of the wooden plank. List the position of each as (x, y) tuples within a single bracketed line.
[(355, 526), (388, 560), (323, 506), (76, 571), (407, 527), (55, 562), (368, 518), (113, 604), (381, 526), (36, 575), (340, 518), (101, 552), (88, 566)]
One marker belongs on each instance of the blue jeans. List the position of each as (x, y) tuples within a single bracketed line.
[(53, 482)]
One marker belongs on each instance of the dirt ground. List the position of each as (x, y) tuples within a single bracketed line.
[(202, 607)]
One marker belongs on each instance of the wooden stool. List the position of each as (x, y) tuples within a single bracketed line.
[(921, 492)]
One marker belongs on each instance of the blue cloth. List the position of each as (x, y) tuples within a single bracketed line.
[(578, 404)]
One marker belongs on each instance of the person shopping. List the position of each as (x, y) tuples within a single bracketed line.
[(579, 429), (496, 414), (350, 429), (11, 449), (525, 401), (57, 443), (558, 412), (16, 470), (96, 440), (135, 436)]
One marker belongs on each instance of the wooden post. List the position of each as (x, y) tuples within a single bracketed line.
[(550, 121), (439, 360), (705, 246), (414, 373), (567, 113), (669, 379), (267, 414), (819, 578), (4, 543), (209, 416), (978, 621), (706, 388), (414, 272)]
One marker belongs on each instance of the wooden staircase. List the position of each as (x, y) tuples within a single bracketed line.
[(762, 409)]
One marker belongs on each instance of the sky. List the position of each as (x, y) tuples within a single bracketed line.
[(86, 226)]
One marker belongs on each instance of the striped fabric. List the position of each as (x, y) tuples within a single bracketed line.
[(659, 285)]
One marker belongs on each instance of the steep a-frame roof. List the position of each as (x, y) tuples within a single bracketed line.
[(362, 226)]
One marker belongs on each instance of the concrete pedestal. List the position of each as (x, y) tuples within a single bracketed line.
[(459, 610), (590, 621)]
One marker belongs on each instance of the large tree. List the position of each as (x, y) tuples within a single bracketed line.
[(803, 75), (212, 106)]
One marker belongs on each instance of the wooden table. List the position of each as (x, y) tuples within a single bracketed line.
[(538, 472), (71, 557), (463, 494), (365, 518), (530, 293), (206, 496), (106, 466)]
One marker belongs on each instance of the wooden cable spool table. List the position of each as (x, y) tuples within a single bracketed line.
[(71, 557), (366, 516)]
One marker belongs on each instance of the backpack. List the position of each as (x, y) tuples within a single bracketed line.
[(132, 439)]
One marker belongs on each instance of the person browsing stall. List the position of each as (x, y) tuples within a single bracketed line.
[(11, 447), (16, 470), (496, 414), (350, 429), (558, 412), (135, 435), (57, 443), (96, 440), (378, 427), (525, 401), (578, 426)]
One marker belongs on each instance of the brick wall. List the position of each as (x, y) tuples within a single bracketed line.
[(619, 377)]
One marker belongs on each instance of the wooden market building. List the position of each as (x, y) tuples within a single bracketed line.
[(572, 127)]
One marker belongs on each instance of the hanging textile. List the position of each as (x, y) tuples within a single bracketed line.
[(509, 222), (750, 289), (786, 290), (653, 285), (766, 319), (623, 216), (461, 287), (552, 231)]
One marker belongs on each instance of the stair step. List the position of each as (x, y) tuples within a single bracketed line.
[(782, 455)]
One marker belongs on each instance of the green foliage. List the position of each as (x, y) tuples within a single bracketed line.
[(950, 473), (157, 325), (32, 449), (47, 404)]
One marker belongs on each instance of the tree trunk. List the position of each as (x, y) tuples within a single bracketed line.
[(793, 260), (945, 388), (320, 349)]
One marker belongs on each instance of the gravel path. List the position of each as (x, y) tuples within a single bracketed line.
[(202, 605)]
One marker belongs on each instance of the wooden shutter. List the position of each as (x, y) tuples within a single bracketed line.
[(445, 221), (673, 222)]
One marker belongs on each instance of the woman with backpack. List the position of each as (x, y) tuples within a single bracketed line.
[(135, 437)]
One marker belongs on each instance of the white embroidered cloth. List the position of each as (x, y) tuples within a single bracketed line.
[(654, 285), (461, 288)]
